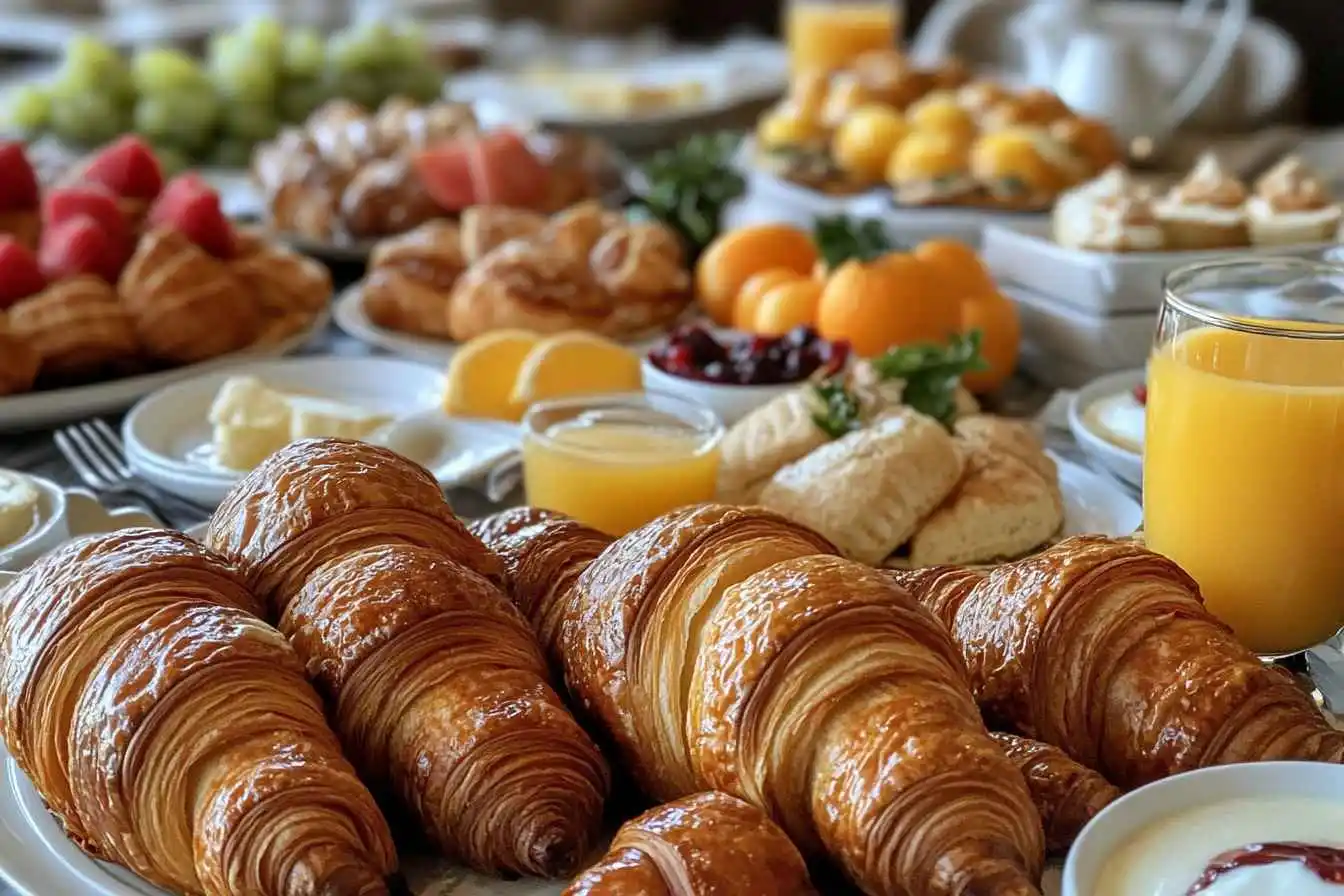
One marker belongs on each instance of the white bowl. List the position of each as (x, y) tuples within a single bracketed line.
[(1162, 800), (1126, 464), (51, 529), (730, 403)]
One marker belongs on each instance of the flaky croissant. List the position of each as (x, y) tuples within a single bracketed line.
[(643, 267), (702, 845), (729, 649), (1105, 649), (1067, 795), (290, 288), (78, 328), (172, 731), (435, 683), (411, 278), (186, 305), (19, 361)]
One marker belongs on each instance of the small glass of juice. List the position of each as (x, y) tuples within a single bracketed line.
[(829, 35), (1243, 475), (617, 461)]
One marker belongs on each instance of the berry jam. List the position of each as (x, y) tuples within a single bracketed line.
[(1141, 394), (1326, 862), (693, 353)]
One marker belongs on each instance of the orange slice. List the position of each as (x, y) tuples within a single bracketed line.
[(482, 374), (576, 363)]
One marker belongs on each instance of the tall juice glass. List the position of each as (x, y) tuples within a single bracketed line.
[(1244, 450), (617, 461), (829, 34)]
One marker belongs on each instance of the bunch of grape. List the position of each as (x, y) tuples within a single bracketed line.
[(253, 80)]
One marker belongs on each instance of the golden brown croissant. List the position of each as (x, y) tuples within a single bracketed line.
[(19, 361), (78, 328), (702, 845), (543, 554), (578, 228), (727, 648), (385, 196), (431, 252), (412, 277), (1105, 650), (172, 731), (186, 305), (1067, 795), (290, 288), (436, 685), (643, 267), (487, 227)]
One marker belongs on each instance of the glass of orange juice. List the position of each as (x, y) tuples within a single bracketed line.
[(617, 461), (829, 34), (1244, 450)]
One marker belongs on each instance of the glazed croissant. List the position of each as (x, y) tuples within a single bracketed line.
[(170, 730), (1066, 794), (703, 845), (78, 328), (729, 649), (433, 680), (19, 361), (1105, 649)]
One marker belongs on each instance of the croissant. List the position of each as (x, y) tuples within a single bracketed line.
[(703, 845), (1105, 650), (729, 649), (543, 554), (186, 306), (577, 229), (78, 328), (436, 686), (487, 227), (1067, 795), (412, 277), (19, 361), (385, 196), (170, 730), (643, 267), (432, 253), (290, 289)]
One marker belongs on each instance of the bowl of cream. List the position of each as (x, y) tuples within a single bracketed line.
[(1259, 829), (32, 519), (1106, 418)]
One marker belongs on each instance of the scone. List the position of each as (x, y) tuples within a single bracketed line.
[(78, 329), (773, 435), (869, 491), (19, 360), (642, 266), (1206, 210), (1292, 205), (186, 305)]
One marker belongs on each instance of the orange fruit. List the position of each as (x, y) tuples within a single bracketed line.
[(575, 362), (891, 302), (957, 266), (738, 255), (787, 306), (482, 373), (995, 316), (749, 299)]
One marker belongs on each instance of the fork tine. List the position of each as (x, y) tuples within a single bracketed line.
[(92, 456), (76, 459), (113, 450)]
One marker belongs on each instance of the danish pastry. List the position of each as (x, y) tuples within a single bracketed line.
[(643, 268), (487, 227)]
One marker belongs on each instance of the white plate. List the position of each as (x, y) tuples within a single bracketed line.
[(1126, 464), (37, 410), (1094, 505), (348, 313)]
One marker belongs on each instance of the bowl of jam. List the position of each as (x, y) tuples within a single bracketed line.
[(734, 373)]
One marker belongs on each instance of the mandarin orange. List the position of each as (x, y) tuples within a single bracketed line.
[(957, 266), (893, 301), (995, 316), (749, 299), (788, 305), (738, 255)]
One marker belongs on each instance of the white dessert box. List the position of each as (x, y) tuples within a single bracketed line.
[(1066, 347)]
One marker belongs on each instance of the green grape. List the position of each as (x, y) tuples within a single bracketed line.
[(161, 70), (86, 119), (239, 75), (29, 108), (305, 54), (92, 66), (422, 83), (410, 46), (359, 87), (349, 51), (186, 119), (250, 122), (172, 159), (231, 153), (265, 37), (298, 99)]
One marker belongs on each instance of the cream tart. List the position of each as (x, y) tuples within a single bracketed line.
[(1291, 206), (1206, 210)]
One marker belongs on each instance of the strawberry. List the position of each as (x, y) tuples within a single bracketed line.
[(79, 245), (127, 168), (90, 201), (20, 276), (18, 181), (189, 206)]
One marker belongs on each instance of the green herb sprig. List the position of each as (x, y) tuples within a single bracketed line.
[(840, 238), (689, 186), (839, 411)]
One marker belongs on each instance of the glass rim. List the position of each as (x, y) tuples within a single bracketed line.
[(703, 420), (1176, 277)]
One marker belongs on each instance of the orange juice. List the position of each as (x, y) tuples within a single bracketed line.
[(829, 35), (615, 475), (1244, 479)]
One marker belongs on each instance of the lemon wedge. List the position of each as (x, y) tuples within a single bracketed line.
[(483, 373), (576, 363)]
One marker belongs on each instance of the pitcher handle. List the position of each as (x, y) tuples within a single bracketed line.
[(1236, 15)]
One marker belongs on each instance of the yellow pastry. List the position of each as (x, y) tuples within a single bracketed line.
[(1019, 167), (930, 168), (940, 111)]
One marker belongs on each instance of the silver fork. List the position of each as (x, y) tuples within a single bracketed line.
[(95, 451)]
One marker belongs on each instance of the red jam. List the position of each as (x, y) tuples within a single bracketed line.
[(1141, 394), (694, 353), (1326, 862)]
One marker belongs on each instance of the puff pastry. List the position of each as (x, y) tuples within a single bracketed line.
[(702, 845), (172, 731), (1067, 795), (577, 229), (19, 361), (78, 328), (869, 490), (729, 649), (1105, 650), (643, 267), (527, 286), (290, 289), (769, 438), (185, 305), (434, 680), (487, 227)]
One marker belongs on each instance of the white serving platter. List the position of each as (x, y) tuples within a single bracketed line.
[(1059, 330)]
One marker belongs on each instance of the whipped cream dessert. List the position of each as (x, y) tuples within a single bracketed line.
[(1119, 419), (18, 507), (1109, 214), (1292, 205), (1265, 846)]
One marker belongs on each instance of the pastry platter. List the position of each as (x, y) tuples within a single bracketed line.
[(35, 410)]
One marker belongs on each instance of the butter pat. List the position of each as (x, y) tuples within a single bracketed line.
[(18, 507), (251, 421)]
